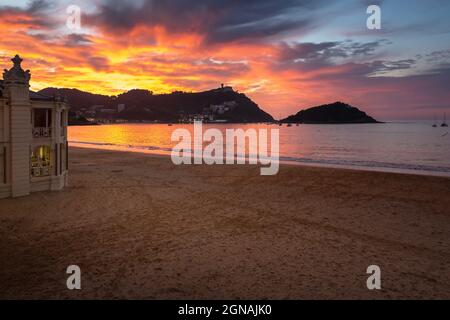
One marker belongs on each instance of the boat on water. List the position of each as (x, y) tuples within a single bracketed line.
[(444, 124), (289, 125)]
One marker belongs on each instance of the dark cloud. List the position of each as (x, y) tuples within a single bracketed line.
[(219, 21), (98, 63), (328, 50), (36, 14), (440, 59), (305, 51), (75, 39), (37, 6), (314, 56), (363, 49), (354, 70), (382, 66), (33, 7)]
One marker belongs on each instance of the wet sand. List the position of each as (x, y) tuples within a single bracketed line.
[(140, 227)]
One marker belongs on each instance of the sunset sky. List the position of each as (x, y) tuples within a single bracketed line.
[(284, 54)]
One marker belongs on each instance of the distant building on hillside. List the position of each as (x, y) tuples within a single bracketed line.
[(120, 107), (222, 108), (33, 137), (108, 110), (226, 88), (96, 107)]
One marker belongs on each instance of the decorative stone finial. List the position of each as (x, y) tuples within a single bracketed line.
[(17, 60), (16, 75)]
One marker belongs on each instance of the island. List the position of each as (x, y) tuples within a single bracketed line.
[(334, 113)]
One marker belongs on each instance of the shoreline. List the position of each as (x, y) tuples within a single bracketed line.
[(166, 153), (140, 227)]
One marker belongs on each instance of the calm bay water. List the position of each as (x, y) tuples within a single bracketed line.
[(399, 147)]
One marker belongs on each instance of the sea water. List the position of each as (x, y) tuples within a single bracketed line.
[(407, 146)]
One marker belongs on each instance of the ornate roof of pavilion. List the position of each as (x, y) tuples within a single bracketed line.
[(16, 74)]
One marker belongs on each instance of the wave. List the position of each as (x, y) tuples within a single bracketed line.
[(127, 146), (350, 163), (369, 164)]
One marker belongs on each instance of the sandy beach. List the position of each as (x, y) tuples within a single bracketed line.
[(141, 227)]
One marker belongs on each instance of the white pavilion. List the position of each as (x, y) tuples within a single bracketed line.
[(33, 137)]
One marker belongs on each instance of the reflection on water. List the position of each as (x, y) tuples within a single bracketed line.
[(388, 147)]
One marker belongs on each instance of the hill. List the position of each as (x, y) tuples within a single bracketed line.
[(222, 104), (334, 113)]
